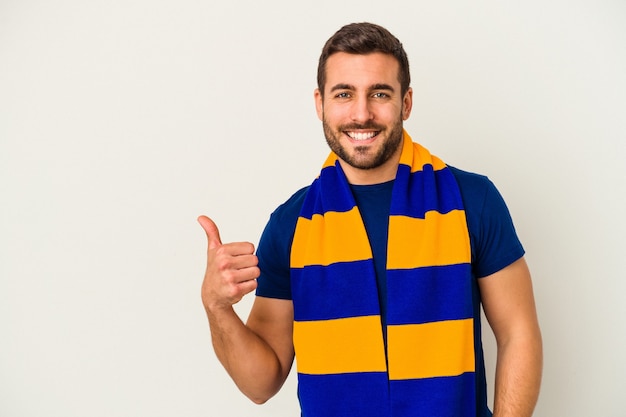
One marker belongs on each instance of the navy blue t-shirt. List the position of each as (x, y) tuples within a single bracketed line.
[(493, 240)]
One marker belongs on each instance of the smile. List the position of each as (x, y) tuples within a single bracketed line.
[(361, 135)]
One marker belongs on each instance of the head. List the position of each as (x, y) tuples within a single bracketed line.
[(362, 39), (362, 100)]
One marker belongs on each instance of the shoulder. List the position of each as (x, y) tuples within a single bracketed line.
[(477, 190), (290, 209), (471, 184), (281, 225), (480, 195), (494, 241)]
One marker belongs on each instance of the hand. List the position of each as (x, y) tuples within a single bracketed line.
[(231, 269)]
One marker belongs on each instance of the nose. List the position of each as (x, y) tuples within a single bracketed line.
[(361, 110)]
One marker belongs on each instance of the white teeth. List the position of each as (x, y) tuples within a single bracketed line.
[(361, 136)]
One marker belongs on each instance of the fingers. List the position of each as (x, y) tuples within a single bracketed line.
[(240, 282), (211, 230), (228, 278), (232, 269), (235, 256), (233, 266)]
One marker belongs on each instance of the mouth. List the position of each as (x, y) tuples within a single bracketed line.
[(361, 136)]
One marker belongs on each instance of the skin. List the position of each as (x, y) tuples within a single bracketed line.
[(509, 306), (257, 355), (362, 98)]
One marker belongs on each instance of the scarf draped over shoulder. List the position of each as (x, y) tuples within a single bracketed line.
[(427, 366)]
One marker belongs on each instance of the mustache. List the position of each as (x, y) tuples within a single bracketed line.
[(356, 126)]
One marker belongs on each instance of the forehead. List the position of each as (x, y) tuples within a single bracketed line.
[(362, 71)]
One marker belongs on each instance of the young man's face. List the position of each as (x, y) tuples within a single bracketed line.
[(362, 112)]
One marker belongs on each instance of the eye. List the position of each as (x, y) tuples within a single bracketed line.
[(343, 95), (380, 95)]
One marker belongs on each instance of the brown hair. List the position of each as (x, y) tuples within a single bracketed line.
[(361, 39)]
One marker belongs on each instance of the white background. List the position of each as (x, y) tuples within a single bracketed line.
[(122, 121)]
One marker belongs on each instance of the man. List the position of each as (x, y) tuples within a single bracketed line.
[(373, 276)]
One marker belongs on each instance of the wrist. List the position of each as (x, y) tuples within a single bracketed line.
[(218, 311)]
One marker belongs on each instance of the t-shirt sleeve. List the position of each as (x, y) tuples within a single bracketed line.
[(495, 243), (274, 281), (274, 249)]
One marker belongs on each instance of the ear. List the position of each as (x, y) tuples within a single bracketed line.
[(407, 104), (319, 104)]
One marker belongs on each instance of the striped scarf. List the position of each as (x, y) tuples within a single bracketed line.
[(427, 366)]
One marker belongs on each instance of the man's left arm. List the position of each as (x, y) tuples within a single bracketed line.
[(509, 306)]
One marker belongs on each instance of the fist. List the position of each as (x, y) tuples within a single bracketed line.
[(231, 270)]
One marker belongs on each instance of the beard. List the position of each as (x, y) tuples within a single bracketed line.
[(363, 157)]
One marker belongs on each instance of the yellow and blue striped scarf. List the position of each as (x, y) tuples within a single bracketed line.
[(344, 368)]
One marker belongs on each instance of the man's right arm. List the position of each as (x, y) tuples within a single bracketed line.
[(257, 355)]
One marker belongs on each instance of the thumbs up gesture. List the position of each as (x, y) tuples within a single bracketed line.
[(231, 270)]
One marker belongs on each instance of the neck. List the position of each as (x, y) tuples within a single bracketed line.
[(386, 172), (357, 176)]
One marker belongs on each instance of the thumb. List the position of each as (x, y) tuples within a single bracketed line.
[(212, 232)]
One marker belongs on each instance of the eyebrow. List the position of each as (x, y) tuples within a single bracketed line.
[(382, 87), (342, 86)]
